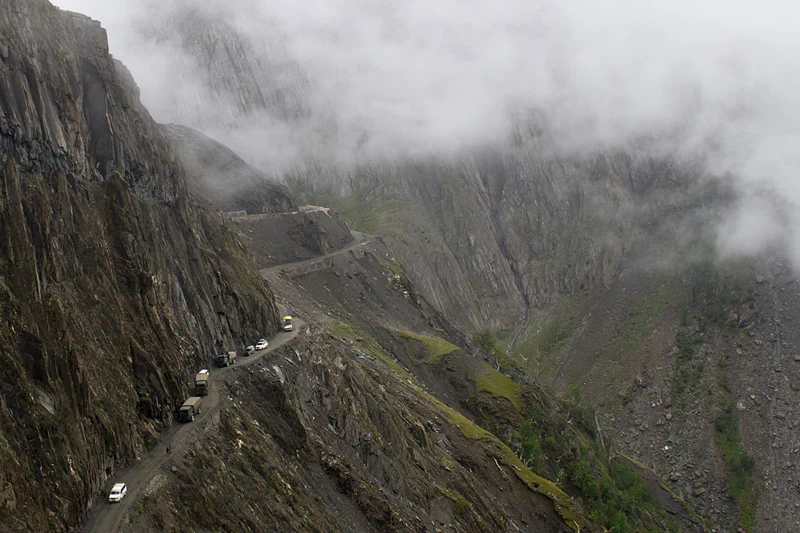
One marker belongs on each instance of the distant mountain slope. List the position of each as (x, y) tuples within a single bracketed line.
[(223, 179)]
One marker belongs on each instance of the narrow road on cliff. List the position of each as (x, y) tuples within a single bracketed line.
[(107, 519), (137, 476), (358, 240)]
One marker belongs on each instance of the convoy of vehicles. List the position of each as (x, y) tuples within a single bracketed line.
[(190, 409), (225, 359), (118, 491)]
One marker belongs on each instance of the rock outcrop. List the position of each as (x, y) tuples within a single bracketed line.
[(115, 286)]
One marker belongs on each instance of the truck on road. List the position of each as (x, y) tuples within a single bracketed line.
[(190, 409), (201, 384), (287, 323), (225, 359)]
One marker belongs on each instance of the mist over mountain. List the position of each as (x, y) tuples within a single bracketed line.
[(540, 258), (348, 81)]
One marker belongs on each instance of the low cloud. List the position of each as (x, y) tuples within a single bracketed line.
[(714, 80)]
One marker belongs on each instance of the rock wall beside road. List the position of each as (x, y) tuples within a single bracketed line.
[(114, 286)]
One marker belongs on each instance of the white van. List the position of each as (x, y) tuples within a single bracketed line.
[(118, 491)]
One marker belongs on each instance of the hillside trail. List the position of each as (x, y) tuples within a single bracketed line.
[(179, 439), (108, 517), (358, 240)]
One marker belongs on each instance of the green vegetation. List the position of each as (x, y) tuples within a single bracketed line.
[(716, 289), (365, 211), (504, 455), (367, 343), (355, 209), (739, 464), (460, 503), (563, 441), (489, 343), (500, 386), (548, 333), (662, 291), (436, 346), (688, 370), (485, 340), (714, 292)]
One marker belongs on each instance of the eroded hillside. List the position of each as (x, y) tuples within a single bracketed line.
[(372, 420)]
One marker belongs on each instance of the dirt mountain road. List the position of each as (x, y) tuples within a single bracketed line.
[(137, 476), (358, 240), (107, 518)]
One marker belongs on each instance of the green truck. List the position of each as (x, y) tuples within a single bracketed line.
[(225, 359), (190, 409)]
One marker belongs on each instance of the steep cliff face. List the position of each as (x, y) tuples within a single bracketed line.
[(239, 76), (114, 286), (243, 88)]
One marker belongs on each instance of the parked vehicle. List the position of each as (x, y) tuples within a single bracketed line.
[(118, 491), (287, 323), (201, 384), (190, 408), (260, 345), (225, 359), (249, 350)]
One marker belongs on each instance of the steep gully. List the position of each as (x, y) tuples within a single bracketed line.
[(107, 519)]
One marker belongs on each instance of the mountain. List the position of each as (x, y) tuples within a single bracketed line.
[(520, 339), (223, 179), (115, 285), (118, 284), (598, 276)]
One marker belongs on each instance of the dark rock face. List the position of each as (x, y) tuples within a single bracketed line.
[(223, 179), (114, 286)]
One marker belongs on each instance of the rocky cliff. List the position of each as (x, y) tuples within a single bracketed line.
[(115, 287)]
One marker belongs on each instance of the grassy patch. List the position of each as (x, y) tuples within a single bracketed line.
[(460, 503), (563, 503), (365, 211), (504, 455), (561, 440), (739, 464), (366, 343), (436, 346), (498, 385)]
